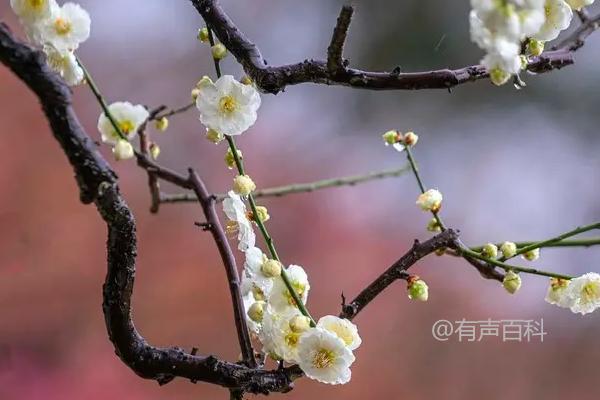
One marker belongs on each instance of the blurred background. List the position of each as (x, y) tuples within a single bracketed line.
[(513, 165)]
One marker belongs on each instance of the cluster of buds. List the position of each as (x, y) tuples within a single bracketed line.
[(398, 140)]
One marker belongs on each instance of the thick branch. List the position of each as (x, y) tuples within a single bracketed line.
[(97, 183), (275, 79)]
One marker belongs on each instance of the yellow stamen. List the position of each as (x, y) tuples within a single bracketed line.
[(62, 27), (323, 358), (227, 104)]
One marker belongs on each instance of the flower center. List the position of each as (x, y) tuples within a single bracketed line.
[(291, 339), (126, 127), (299, 288), (227, 104), (323, 358), (61, 26), (590, 292), (36, 4)]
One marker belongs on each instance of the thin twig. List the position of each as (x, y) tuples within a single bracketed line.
[(175, 111), (296, 188)]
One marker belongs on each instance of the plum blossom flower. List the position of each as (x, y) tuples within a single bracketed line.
[(557, 293), (66, 29), (323, 356), (32, 11), (227, 106), (584, 293), (278, 337), (127, 116), (235, 209), (260, 269), (281, 298), (431, 200), (65, 64), (558, 18)]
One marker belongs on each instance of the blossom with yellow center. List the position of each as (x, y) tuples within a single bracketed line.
[(281, 299), (557, 293), (67, 28), (323, 356), (584, 293), (128, 118), (33, 11), (227, 106)]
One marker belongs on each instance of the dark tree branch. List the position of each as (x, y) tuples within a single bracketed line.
[(97, 183), (275, 79), (448, 238), (577, 38), (335, 62), (153, 184)]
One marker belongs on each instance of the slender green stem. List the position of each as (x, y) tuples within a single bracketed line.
[(508, 267), (415, 169), (556, 239), (469, 253), (100, 98), (261, 226)]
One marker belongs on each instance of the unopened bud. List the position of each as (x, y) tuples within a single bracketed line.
[(258, 294), (194, 93), (243, 185), (123, 150), (532, 255), (154, 150), (508, 249), (257, 311), (511, 282), (263, 214), (391, 137), (299, 324), (440, 252), (246, 80), (417, 289), (162, 124), (535, 47), (204, 82), (410, 139), (230, 159), (203, 35), (433, 225), (490, 250), (271, 268), (219, 51), (214, 136)]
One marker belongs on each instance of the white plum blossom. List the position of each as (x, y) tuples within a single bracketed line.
[(323, 356), (558, 18), (579, 4), (343, 328), (255, 259), (431, 200), (66, 28), (33, 11), (127, 116), (281, 298), (235, 209), (228, 106), (65, 64), (557, 293), (584, 293), (499, 27), (278, 336)]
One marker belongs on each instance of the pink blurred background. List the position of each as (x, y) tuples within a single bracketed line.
[(513, 165)]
